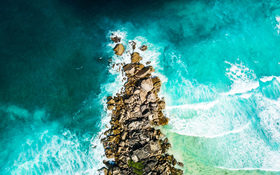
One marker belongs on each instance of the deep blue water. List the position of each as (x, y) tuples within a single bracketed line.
[(219, 62)]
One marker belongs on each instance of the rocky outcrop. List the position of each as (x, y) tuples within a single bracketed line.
[(119, 49), (133, 143)]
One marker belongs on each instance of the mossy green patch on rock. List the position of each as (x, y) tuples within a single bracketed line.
[(137, 167)]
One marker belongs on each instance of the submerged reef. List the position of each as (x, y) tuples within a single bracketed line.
[(134, 144)]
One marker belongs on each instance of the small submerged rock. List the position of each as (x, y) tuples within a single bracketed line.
[(115, 39), (132, 142), (143, 48)]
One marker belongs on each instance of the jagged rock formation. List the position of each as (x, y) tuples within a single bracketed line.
[(132, 142)]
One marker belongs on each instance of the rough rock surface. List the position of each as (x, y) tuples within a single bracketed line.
[(133, 143), (115, 39), (135, 57), (119, 49), (144, 47)]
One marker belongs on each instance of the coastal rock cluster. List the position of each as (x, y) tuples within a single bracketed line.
[(133, 144)]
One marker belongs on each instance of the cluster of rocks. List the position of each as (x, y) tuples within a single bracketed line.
[(133, 143)]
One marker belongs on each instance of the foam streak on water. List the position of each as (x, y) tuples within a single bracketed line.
[(241, 127)]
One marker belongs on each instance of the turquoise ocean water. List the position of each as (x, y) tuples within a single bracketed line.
[(219, 62)]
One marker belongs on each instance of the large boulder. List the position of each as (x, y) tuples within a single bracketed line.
[(145, 71), (151, 97), (155, 146), (119, 49), (129, 69), (142, 95), (141, 154), (147, 84), (135, 57), (130, 99), (136, 125)]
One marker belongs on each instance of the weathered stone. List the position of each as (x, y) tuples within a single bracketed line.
[(129, 100), (163, 121), (116, 39), (153, 104), (134, 158), (133, 44), (147, 84), (116, 171), (129, 90), (111, 101), (110, 107), (180, 164), (161, 104), (135, 57), (129, 69), (143, 95), (152, 162), (140, 66), (156, 83), (151, 117), (105, 170), (143, 48), (145, 71), (116, 131), (135, 125), (151, 97), (109, 154), (136, 109), (137, 91), (141, 154), (119, 49), (155, 146), (124, 134), (143, 108)]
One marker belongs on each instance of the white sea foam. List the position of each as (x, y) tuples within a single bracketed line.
[(48, 151), (249, 153), (245, 149), (235, 131), (242, 87), (194, 106), (225, 128), (224, 115), (250, 169), (246, 95), (212, 119), (60, 154), (269, 78), (278, 25), (269, 114), (244, 79)]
